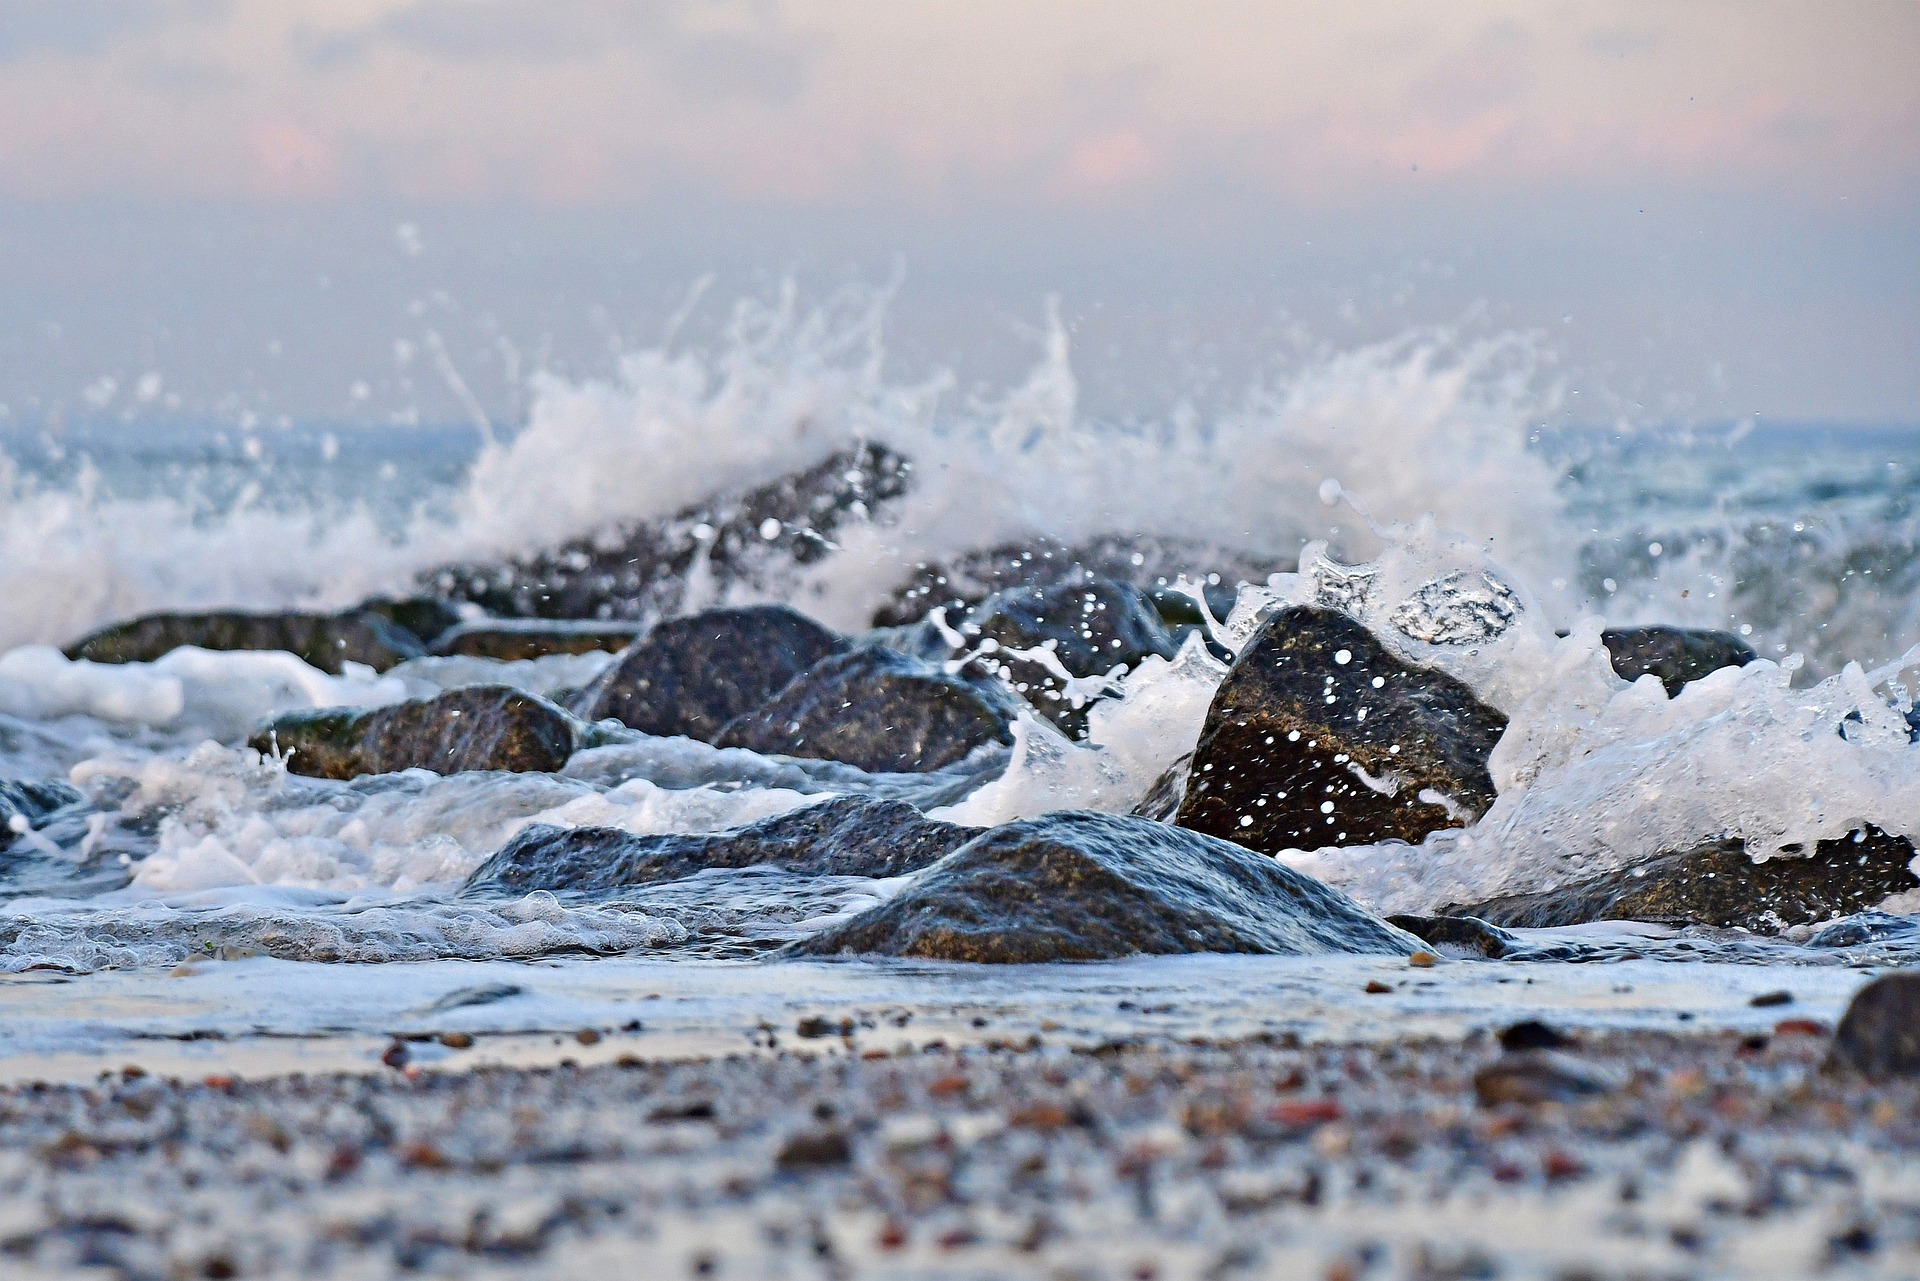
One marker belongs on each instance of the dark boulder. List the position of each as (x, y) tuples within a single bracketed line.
[(691, 676), (846, 836), (881, 711), (479, 727), (515, 639), (25, 805), (326, 641), (1879, 1035), (1090, 627), (1717, 884), (1079, 886), (1675, 654), (1149, 563), (1311, 702), (1465, 932), (642, 571), (427, 617)]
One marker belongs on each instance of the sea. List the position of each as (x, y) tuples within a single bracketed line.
[(203, 907)]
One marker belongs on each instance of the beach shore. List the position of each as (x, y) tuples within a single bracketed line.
[(1622, 1154)]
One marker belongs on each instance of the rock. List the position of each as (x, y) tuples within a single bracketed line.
[(1675, 654), (1321, 736), (846, 836), (24, 805), (1149, 563), (644, 571), (1090, 628), (478, 727), (814, 1149), (879, 710), (325, 641), (1081, 886), (515, 639), (691, 676), (1540, 1076), (427, 617), (1532, 1034), (1717, 884), (1162, 800), (1879, 1035), (1458, 931)]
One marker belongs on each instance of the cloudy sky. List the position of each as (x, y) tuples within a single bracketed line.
[(1705, 211)]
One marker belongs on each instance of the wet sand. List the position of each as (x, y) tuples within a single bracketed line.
[(1659, 1154)]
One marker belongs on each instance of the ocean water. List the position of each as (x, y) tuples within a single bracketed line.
[(1433, 457)]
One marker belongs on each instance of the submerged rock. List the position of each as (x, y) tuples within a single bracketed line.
[(1087, 629), (325, 641), (1674, 654), (24, 804), (1080, 886), (1879, 1035), (478, 727), (1321, 736), (516, 639), (1717, 884), (881, 711), (691, 676), (645, 570), (846, 836)]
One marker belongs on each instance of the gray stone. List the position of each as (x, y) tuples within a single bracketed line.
[(478, 727), (846, 836), (691, 676), (326, 641), (1674, 654), (1312, 701), (1717, 884), (1079, 886), (881, 711), (1879, 1035)]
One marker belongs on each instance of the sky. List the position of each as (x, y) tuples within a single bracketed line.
[(341, 209)]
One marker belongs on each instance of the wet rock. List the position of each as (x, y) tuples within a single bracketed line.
[(1879, 1035), (478, 727), (645, 570), (26, 804), (846, 836), (514, 639), (813, 1150), (691, 676), (1088, 629), (1674, 654), (1321, 736), (1162, 800), (1466, 932), (881, 711), (1717, 884), (1532, 1034), (1079, 886), (325, 641), (427, 617), (1148, 563)]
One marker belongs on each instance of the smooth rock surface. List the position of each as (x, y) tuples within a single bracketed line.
[(1717, 884), (845, 836), (1312, 700), (643, 571), (1674, 654), (1081, 886), (881, 711), (1879, 1035), (477, 727), (325, 641), (691, 676), (515, 639)]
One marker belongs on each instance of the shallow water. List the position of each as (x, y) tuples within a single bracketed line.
[(188, 848)]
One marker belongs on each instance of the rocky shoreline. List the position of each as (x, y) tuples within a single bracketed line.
[(1520, 1156)]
